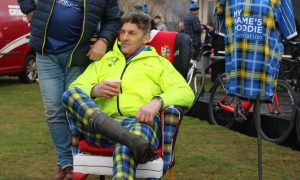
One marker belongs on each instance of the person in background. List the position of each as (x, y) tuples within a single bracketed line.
[(209, 33), (192, 27), (160, 26), (124, 113), (145, 9), (60, 35), (180, 27)]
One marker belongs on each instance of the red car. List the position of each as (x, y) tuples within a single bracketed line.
[(16, 58)]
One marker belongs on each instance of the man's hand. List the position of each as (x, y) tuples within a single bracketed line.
[(29, 16), (97, 50), (210, 28), (106, 89), (146, 113)]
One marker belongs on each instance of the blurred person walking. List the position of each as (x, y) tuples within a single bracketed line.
[(160, 26), (193, 28), (60, 35)]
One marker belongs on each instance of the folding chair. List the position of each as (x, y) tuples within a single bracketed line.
[(94, 160), (89, 159)]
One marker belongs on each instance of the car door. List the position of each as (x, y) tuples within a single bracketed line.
[(14, 34)]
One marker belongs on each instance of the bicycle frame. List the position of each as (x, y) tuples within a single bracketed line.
[(276, 102), (247, 105), (191, 70), (231, 108)]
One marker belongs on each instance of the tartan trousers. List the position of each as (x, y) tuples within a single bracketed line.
[(80, 107)]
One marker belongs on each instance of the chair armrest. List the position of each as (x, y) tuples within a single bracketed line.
[(170, 118), (75, 134)]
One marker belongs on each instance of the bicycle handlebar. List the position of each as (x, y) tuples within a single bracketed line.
[(217, 57), (221, 52), (292, 61), (294, 42)]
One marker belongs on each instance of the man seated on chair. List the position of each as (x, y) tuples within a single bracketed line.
[(126, 117)]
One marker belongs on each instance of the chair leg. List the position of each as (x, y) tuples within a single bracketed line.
[(171, 173)]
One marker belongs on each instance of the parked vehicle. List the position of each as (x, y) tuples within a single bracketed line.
[(16, 58)]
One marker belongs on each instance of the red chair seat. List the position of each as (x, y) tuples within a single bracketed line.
[(86, 147)]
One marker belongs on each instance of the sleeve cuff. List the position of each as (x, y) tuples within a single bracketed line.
[(159, 99)]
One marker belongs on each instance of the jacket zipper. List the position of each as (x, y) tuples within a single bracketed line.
[(83, 28), (118, 100), (118, 104), (45, 34)]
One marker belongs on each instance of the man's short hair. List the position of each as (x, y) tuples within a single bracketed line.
[(157, 17), (142, 20)]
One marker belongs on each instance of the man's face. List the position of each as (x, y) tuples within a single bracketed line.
[(195, 12), (156, 20), (132, 38)]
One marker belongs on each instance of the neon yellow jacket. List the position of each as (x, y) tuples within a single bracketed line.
[(145, 76)]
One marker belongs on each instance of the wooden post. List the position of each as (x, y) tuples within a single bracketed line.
[(171, 173)]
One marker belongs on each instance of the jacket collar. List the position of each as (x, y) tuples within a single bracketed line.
[(151, 52)]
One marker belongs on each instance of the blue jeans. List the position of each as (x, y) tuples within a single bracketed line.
[(54, 78)]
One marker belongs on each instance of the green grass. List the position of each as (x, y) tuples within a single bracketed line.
[(202, 151)]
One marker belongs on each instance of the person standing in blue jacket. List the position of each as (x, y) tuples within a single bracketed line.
[(61, 31)]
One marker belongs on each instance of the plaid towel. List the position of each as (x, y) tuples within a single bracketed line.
[(253, 30)]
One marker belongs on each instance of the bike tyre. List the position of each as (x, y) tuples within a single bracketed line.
[(297, 119), (213, 109), (197, 83), (210, 78), (273, 127)]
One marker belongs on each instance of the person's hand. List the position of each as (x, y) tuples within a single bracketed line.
[(210, 28), (97, 50), (106, 89), (146, 113), (29, 16)]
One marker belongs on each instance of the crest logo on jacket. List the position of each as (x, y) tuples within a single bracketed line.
[(113, 61)]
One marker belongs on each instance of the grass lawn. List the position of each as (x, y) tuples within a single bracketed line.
[(203, 151)]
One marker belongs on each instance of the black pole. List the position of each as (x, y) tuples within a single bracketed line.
[(256, 116)]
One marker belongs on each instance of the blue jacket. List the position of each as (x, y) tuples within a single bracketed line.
[(105, 12)]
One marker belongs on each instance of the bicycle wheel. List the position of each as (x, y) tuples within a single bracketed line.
[(297, 119), (217, 115), (213, 70), (278, 123), (195, 79)]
